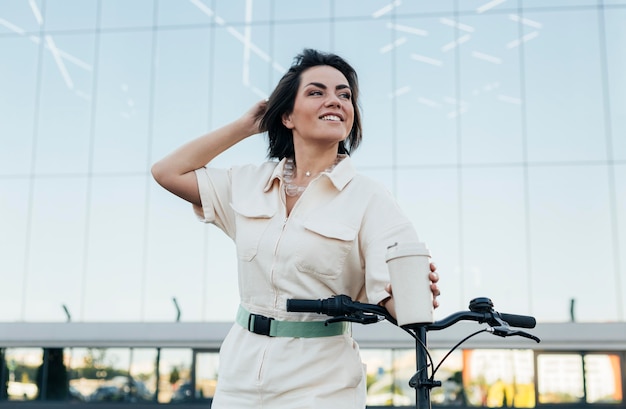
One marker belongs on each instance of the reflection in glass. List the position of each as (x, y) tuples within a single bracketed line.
[(103, 375), (560, 378), (450, 373), (21, 372), (206, 374), (175, 375), (403, 370), (603, 378), (499, 378), (142, 374), (378, 363)]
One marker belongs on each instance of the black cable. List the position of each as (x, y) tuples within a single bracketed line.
[(428, 356), (453, 348)]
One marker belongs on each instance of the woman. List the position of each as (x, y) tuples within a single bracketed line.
[(306, 226)]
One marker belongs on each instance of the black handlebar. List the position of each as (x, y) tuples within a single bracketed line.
[(334, 306), (519, 321), (318, 306), (341, 307)]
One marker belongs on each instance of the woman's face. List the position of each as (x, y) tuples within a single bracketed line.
[(323, 110)]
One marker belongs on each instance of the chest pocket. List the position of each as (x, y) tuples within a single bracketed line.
[(324, 247), (251, 223)]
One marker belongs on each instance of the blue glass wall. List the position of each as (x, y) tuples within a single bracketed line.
[(499, 126)]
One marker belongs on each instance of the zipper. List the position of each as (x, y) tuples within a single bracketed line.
[(280, 237), (275, 258)]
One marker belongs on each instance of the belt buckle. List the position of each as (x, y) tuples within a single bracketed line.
[(260, 325)]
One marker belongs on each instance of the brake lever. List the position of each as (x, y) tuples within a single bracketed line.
[(358, 318), (504, 331), (526, 335)]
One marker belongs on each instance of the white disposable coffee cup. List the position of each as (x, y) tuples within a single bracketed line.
[(409, 268)]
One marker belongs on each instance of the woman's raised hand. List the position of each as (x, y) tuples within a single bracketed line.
[(251, 120)]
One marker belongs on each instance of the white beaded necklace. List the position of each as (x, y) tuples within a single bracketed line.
[(289, 172)]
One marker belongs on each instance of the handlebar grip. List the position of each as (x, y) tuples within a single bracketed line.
[(305, 306), (520, 321)]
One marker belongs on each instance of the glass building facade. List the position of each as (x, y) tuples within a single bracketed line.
[(499, 125)]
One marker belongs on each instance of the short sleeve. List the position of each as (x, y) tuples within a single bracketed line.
[(214, 187), (384, 224)]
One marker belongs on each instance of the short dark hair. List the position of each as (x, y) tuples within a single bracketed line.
[(284, 95)]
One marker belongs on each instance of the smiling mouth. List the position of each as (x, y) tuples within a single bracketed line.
[(332, 118)]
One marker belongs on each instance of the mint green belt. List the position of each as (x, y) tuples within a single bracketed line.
[(260, 324)]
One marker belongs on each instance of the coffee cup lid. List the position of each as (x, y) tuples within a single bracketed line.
[(407, 249)]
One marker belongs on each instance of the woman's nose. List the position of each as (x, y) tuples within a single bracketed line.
[(333, 100)]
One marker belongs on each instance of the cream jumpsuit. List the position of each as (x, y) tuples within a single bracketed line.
[(333, 242)]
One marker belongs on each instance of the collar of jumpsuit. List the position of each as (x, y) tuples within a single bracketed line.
[(341, 174)]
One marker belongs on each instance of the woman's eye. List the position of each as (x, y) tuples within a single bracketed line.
[(345, 95), (315, 92)]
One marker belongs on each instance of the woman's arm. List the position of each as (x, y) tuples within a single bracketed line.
[(175, 172)]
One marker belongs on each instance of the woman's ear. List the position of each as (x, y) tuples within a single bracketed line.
[(287, 121)]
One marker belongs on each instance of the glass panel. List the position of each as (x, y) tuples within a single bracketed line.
[(175, 375), (122, 13), (560, 378), (374, 70), (70, 14), (123, 101), (181, 51), (177, 260), (425, 95), (365, 9), (491, 124), (450, 373), (426, 6), (430, 197), (175, 12), (569, 222), (73, 361), (207, 364), (615, 36), (143, 376), (494, 237), (499, 378), (18, 83), (55, 267), (620, 191), (309, 35), (379, 370), (102, 374), (14, 221), (22, 366), (532, 4), (237, 11), (63, 138), (244, 71), (603, 378), (115, 250), (21, 16), (66, 111), (303, 9), (564, 106), (83, 371), (403, 369)]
